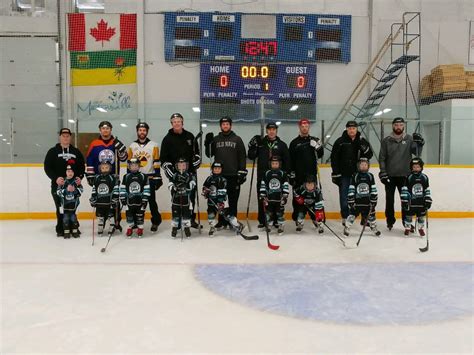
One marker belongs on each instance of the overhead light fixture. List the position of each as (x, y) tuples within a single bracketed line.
[(100, 109), (50, 104), (378, 113), (38, 145), (8, 143), (1, 135), (4, 139), (71, 121), (196, 109), (123, 125), (204, 125), (328, 136), (385, 110), (278, 123), (294, 108)]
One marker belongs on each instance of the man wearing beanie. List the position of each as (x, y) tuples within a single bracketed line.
[(346, 152), (228, 148), (396, 152)]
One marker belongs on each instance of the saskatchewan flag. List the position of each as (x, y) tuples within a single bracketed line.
[(102, 49)]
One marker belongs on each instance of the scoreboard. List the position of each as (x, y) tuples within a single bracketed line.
[(247, 37), (236, 90)]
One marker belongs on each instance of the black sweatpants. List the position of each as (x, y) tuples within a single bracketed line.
[(396, 182), (155, 213)]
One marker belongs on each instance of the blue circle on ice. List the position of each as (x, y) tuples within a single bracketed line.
[(370, 294)]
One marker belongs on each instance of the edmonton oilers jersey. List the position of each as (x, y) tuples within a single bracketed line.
[(417, 188), (274, 185), (105, 190), (100, 151), (362, 189), (217, 186), (134, 189)]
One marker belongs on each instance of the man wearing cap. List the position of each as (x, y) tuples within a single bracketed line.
[(263, 149), (305, 150), (55, 163), (346, 152), (229, 149), (148, 155), (105, 148), (396, 152), (179, 143)]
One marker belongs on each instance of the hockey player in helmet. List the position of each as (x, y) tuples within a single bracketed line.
[(309, 199)]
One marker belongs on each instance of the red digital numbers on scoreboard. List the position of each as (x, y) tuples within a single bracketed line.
[(219, 81), (257, 48), (296, 81)]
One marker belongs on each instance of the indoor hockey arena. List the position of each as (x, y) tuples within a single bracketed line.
[(236, 176)]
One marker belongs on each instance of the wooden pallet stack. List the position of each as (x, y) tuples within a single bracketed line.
[(470, 80), (426, 87), (448, 78)]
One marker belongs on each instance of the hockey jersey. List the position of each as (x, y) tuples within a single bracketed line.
[(99, 151), (274, 185), (181, 185), (362, 189), (416, 190), (216, 186), (135, 189), (105, 190), (312, 199), (70, 200), (148, 155)]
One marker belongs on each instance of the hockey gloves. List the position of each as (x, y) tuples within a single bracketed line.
[(207, 144), (428, 202), (144, 204), (299, 200), (336, 179), (384, 178), (241, 176), (284, 200), (418, 139), (121, 149), (255, 142), (196, 161), (315, 143), (292, 178), (319, 214), (93, 202)]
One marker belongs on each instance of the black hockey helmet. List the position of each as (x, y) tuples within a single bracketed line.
[(310, 178), (225, 119), (143, 125), (271, 125), (105, 164), (105, 124), (417, 161), (131, 162), (363, 160), (177, 115), (216, 164), (274, 158), (180, 161)]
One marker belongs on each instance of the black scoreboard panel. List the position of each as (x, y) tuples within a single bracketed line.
[(288, 91), (244, 37)]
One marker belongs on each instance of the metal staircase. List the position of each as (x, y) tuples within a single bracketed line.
[(404, 43)]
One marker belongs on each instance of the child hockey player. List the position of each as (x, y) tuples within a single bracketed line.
[(214, 190), (362, 197), (274, 190), (181, 186), (416, 197), (134, 193), (105, 197), (69, 194), (309, 199)]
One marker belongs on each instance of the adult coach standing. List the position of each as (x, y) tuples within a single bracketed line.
[(148, 155), (179, 143), (229, 149), (263, 150), (305, 150), (346, 152), (105, 148), (55, 163), (396, 152)]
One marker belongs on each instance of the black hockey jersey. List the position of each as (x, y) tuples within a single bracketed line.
[(313, 199), (70, 200), (274, 185), (181, 185), (135, 189), (362, 189), (216, 185), (416, 190), (105, 190)]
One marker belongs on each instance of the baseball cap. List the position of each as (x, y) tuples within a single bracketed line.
[(398, 120), (303, 121), (65, 130), (351, 124)]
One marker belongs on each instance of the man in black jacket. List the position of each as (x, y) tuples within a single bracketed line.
[(263, 149), (305, 150), (179, 143), (55, 163), (228, 149), (346, 152)]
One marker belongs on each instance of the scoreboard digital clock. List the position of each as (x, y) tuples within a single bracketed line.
[(246, 37), (236, 90)]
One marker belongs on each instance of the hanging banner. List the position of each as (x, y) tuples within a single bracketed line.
[(103, 59), (471, 43)]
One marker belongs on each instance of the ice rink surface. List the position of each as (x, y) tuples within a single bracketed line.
[(227, 295)]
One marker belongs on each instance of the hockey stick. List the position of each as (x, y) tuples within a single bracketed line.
[(267, 230), (222, 213), (364, 220), (323, 222), (181, 217), (250, 196), (425, 249), (199, 136), (93, 226)]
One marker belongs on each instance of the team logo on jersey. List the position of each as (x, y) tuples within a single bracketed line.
[(274, 184), (106, 155), (103, 189), (363, 189), (134, 188), (69, 197), (417, 190), (143, 157)]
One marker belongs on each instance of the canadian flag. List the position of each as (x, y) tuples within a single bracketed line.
[(99, 32)]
